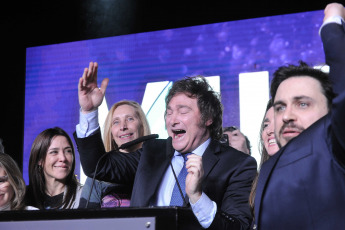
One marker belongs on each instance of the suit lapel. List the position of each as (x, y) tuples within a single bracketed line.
[(264, 175), (153, 164), (209, 158), (294, 150), (160, 169)]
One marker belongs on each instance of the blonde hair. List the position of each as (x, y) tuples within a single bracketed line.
[(108, 138), (15, 179)]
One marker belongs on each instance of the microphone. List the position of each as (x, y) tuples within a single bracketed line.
[(138, 140), (169, 150)]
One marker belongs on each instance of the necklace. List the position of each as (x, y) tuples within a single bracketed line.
[(54, 193)]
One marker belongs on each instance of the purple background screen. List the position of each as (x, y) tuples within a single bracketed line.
[(130, 61)]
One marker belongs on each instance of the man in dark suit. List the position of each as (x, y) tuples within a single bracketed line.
[(219, 178), (303, 185)]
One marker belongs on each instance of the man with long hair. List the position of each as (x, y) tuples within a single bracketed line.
[(213, 179)]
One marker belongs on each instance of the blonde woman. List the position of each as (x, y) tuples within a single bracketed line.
[(125, 122), (12, 186)]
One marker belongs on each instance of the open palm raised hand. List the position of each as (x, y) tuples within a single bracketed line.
[(90, 96)]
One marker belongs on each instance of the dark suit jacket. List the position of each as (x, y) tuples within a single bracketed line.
[(227, 179), (303, 185)]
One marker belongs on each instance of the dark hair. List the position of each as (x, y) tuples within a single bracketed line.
[(37, 186), (264, 158), (2, 148), (232, 128), (208, 101), (303, 69), (249, 147), (229, 129)]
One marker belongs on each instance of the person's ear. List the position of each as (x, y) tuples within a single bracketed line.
[(209, 122)]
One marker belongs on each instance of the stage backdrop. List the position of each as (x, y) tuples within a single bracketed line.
[(239, 56)]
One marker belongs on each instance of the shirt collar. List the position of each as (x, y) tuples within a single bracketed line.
[(199, 150)]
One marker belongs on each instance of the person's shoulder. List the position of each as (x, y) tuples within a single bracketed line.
[(226, 149), (79, 187), (154, 147), (231, 154)]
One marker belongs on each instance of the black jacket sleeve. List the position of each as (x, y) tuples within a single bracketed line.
[(115, 167)]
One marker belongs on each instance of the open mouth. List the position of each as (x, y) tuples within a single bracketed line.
[(178, 133), (272, 141), (128, 135)]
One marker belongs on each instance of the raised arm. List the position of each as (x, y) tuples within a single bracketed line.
[(334, 9), (90, 96), (91, 148), (114, 167), (333, 38)]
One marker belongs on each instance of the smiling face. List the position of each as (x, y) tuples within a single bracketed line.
[(59, 159), (6, 189), (184, 124), (267, 134), (125, 125), (299, 102)]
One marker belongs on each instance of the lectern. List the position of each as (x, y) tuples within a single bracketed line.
[(156, 218)]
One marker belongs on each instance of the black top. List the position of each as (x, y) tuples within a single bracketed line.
[(53, 202)]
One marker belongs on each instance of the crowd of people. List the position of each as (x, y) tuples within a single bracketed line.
[(203, 165)]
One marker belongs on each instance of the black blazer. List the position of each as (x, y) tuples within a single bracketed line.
[(227, 179), (303, 185)]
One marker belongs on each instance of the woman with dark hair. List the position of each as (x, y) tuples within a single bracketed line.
[(53, 184), (268, 146)]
